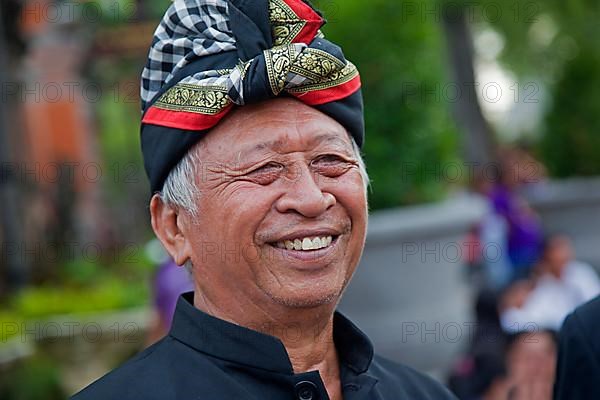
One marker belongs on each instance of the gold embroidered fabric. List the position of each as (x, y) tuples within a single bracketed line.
[(278, 61), (335, 79), (193, 98), (316, 68), (284, 22)]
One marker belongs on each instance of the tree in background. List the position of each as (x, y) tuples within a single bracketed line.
[(555, 42), (411, 135), (409, 52)]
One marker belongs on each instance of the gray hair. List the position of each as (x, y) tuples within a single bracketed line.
[(180, 188)]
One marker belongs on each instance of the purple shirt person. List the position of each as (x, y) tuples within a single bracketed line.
[(169, 282), (524, 229)]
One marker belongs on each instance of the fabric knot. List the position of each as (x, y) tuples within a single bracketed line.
[(279, 62), (294, 68)]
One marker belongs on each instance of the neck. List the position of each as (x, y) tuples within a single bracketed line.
[(306, 333)]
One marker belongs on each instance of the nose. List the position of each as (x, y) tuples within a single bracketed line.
[(304, 196)]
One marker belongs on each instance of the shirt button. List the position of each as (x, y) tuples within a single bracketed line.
[(306, 390)]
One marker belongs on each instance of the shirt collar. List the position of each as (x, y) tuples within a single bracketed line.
[(228, 341)]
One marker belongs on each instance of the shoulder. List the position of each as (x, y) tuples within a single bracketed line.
[(395, 379), (137, 376), (590, 310), (579, 270), (585, 320), (578, 363)]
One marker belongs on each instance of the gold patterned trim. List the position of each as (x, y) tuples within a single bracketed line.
[(285, 23), (316, 64), (192, 98), (243, 67), (225, 71), (348, 73), (321, 69), (278, 61)]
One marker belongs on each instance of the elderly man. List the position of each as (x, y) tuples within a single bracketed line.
[(251, 133)]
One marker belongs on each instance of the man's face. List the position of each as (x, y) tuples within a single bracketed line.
[(274, 177)]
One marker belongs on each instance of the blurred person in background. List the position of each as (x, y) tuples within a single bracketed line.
[(484, 377), (511, 228), (578, 366), (481, 373), (495, 272), (501, 366), (525, 236), (560, 284), (491, 379), (531, 362)]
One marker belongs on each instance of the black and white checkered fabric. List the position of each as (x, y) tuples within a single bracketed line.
[(189, 29)]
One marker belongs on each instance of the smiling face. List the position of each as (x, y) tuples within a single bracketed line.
[(282, 212)]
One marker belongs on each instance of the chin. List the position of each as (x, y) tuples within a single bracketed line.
[(293, 302), (308, 297)]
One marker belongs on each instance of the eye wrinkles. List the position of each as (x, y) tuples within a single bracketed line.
[(265, 172), (328, 166)]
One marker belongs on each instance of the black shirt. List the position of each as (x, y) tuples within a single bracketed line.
[(578, 369), (206, 358)]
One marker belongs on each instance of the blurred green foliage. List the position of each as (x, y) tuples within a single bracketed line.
[(36, 379), (116, 12), (555, 42), (118, 112), (125, 189), (12, 318), (399, 46), (120, 144), (401, 61), (109, 294), (86, 287), (572, 141)]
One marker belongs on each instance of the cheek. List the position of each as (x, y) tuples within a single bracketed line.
[(351, 198), (350, 194), (239, 210)]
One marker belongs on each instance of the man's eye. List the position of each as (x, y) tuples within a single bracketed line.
[(328, 158), (331, 165), (267, 173)]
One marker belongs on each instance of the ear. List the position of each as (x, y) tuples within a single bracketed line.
[(167, 225)]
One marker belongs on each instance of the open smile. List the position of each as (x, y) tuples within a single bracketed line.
[(317, 251), (306, 243)]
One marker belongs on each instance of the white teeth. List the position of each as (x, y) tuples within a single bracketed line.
[(317, 243), (306, 243)]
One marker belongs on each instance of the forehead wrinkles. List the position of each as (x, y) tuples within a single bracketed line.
[(277, 109), (282, 145), (281, 125)]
